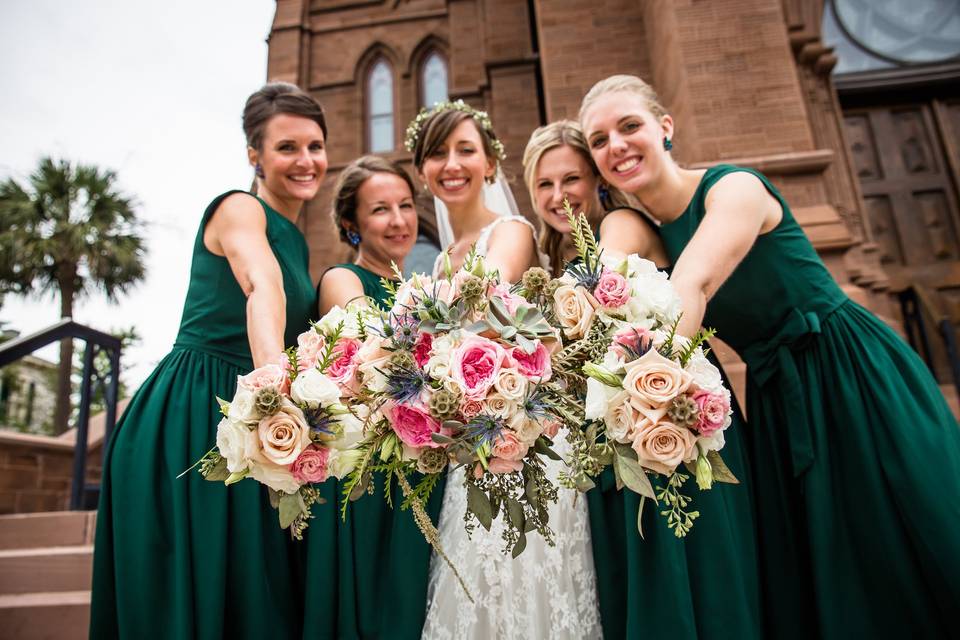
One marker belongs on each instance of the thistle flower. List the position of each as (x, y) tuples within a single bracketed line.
[(684, 411), (267, 402)]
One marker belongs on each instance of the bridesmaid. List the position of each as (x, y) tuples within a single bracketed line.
[(855, 456), (383, 561), (187, 558), (659, 586)]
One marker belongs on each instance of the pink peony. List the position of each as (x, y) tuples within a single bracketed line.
[(509, 447), (345, 360), (309, 344), (714, 408), (510, 300), (311, 465), (421, 351), (612, 290), (534, 366), (268, 376), (413, 425), (474, 365)]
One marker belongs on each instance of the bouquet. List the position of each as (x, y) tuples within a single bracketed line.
[(654, 401), (461, 375), (293, 424)]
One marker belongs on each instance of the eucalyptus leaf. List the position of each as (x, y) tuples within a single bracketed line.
[(219, 472), (531, 491), (584, 484), (520, 546), (274, 496), (634, 476), (542, 447), (291, 506), (360, 488), (515, 511), (479, 504), (721, 472), (643, 499), (529, 526), (439, 438)]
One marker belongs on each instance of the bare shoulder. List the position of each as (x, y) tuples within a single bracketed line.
[(239, 209), (339, 286), (513, 231), (340, 277), (739, 187)]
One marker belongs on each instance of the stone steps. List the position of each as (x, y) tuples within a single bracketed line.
[(46, 562)]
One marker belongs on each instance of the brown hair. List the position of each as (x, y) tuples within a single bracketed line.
[(275, 98), (554, 135), (349, 182), (439, 125), (626, 84)]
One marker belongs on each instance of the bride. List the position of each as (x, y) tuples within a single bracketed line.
[(548, 591)]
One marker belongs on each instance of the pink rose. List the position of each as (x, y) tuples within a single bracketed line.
[(421, 351), (414, 426), (474, 365), (345, 361), (509, 447), (662, 446), (268, 376), (309, 344), (311, 465), (470, 408), (612, 290), (551, 428), (498, 465), (534, 366), (632, 340), (510, 300), (714, 408)]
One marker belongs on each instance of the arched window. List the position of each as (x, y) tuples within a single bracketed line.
[(380, 107), (433, 80)]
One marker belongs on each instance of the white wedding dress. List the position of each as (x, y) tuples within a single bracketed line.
[(547, 592)]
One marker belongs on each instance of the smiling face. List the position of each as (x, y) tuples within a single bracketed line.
[(386, 218), (563, 172), (626, 140), (456, 170), (293, 157)]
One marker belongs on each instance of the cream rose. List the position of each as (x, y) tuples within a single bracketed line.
[(314, 389), (527, 430), (283, 435), (237, 442), (242, 407), (277, 477), (654, 380), (620, 417), (498, 406), (704, 374), (663, 446), (373, 359), (575, 309), (511, 385)]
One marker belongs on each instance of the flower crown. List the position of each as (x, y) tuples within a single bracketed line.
[(480, 117)]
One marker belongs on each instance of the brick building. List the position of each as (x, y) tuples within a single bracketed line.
[(868, 157)]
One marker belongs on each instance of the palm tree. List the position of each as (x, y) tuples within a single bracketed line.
[(68, 231)]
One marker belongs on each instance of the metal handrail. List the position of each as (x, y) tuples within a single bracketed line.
[(918, 305), (13, 350)]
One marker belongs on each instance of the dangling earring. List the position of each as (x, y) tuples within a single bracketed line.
[(667, 143), (259, 171), (603, 193), (353, 238)]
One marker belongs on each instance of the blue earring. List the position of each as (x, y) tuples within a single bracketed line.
[(603, 192), (353, 238), (259, 171), (667, 143)]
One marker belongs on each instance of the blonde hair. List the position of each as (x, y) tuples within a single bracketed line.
[(625, 84), (563, 133)]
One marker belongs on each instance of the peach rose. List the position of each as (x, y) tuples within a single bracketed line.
[(662, 446), (654, 380), (621, 417), (309, 344), (500, 465), (509, 447), (575, 309), (269, 375), (284, 435)]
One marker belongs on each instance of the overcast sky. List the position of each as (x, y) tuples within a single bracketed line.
[(153, 90)]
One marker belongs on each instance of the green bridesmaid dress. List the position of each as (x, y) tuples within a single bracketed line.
[(376, 586), (703, 586), (186, 558), (854, 454)]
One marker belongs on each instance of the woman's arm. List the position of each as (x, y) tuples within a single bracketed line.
[(622, 232), (511, 249), (238, 231), (739, 208), (338, 287)]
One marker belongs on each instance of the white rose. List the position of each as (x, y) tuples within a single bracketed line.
[(242, 407), (340, 463), (637, 266), (498, 406), (652, 295), (236, 442), (438, 366), (714, 443), (511, 385), (314, 389), (705, 374), (333, 318), (275, 476), (598, 397), (352, 432)]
